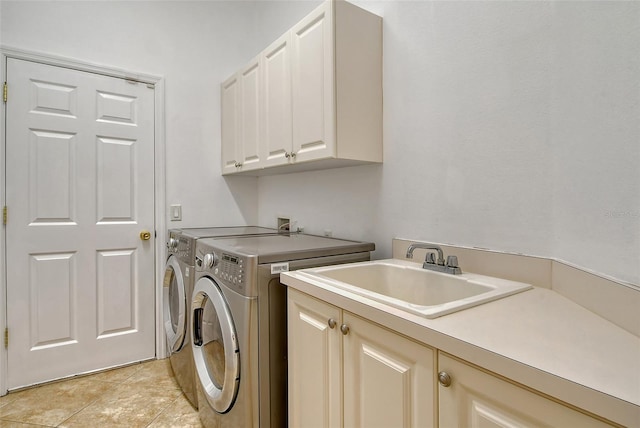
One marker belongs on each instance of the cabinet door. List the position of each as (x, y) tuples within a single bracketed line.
[(276, 118), (250, 115), (230, 105), (477, 399), (315, 362), (313, 85), (388, 379)]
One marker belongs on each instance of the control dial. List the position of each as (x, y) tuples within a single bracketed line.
[(172, 244), (210, 260)]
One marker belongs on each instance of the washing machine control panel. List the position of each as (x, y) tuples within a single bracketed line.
[(231, 269), (182, 247)]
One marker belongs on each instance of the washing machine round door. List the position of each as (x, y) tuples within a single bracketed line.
[(174, 305), (215, 345)]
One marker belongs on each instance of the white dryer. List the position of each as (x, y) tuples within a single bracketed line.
[(239, 322), (177, 290)]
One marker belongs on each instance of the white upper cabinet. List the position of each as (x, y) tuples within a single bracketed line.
[(250, 115), (231, 146), (241, 133), (319, 96), (313, 86), (276, 111)]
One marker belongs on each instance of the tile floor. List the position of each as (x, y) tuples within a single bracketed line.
[(141, 395)]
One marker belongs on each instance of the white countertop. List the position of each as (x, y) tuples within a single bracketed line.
[(537, 338)]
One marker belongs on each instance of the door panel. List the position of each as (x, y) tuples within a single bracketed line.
[(80, 188), (477, 399), (388, 379), (52, 290), (313, 94), (53, 179), (116, 287), (316, 358), (116, 191), (277, 102), (230, 105), (250, 120)]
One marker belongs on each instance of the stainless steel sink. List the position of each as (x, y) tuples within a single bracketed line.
[(406, 285)]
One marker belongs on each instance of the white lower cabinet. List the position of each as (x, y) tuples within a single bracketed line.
[(347, 371), (477, 399)]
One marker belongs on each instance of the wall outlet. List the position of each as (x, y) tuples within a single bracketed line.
[(284, 224)]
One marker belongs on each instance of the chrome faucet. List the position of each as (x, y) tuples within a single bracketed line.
[(451, 266)]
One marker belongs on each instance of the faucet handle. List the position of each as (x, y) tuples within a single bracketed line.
[(452, 261), (430, 258)]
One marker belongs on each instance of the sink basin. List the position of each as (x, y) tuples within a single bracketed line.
[(407, 286)]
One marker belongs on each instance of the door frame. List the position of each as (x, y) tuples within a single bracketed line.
[(159, 180)]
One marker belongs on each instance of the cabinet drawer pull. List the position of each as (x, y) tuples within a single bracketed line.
[(344, 329), (331, 323), (444, 379)]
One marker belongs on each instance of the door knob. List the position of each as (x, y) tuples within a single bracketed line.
[(145, 235)]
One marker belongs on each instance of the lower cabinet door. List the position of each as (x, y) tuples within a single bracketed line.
[(477, 399), (314, 362), (388, 379)]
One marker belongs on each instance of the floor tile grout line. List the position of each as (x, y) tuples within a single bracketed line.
[(26, 423), (163, 410), (78, 411)]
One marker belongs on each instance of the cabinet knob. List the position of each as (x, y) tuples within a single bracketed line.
[(344, 329), (293, 154), (287, 155), (238, 164), (331, 323), (444, 379)]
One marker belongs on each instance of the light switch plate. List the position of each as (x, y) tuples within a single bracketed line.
[(175, 212)]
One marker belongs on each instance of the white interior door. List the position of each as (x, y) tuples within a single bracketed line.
[(79, 191)]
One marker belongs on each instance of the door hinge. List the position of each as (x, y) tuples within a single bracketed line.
[(5, 214), (6, 337), (4, 92)]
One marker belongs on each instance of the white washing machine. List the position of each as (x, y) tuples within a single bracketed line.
[(239, 322), (178, 286)]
